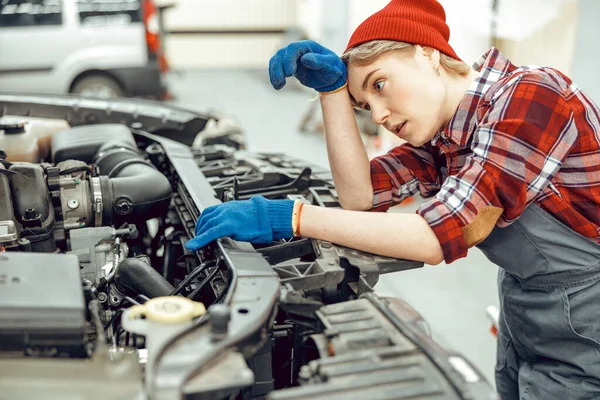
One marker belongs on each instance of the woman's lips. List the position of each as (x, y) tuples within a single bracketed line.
[(401, 130)]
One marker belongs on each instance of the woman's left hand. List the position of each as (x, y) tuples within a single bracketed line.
[(257, 220)]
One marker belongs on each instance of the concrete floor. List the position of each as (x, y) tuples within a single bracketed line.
[(452, 298)]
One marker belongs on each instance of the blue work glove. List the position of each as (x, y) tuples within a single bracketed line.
[(257, 220), (314, 65)]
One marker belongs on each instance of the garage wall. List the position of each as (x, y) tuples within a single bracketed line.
[(226, 33), (540, 35), (246, 33)]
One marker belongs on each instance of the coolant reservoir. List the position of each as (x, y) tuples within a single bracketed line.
[(28, 139), (165, 317)]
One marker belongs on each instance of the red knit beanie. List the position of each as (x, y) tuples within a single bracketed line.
[(421, 22)]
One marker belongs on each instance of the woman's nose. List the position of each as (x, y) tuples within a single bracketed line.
[(379, 115)]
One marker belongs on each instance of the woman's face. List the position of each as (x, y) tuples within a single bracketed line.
[(403, 93)]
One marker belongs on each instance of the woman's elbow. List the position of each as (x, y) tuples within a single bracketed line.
[(357, 206), (364, 203), (435, 257)]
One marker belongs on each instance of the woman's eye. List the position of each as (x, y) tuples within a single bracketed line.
[(367, 107), (379, 85)]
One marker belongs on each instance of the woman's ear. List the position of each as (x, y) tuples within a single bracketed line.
[(433, 56)]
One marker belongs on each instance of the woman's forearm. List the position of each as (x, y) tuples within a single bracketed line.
[(399, 235), (347, 155)]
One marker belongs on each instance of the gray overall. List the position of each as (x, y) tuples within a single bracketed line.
[(549, 329)]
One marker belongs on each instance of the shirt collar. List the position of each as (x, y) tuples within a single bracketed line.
[(492, 66)]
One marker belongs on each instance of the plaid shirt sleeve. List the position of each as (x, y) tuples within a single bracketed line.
[(403, 172), (525, 131)]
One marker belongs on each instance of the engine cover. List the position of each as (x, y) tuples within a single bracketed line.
[(42, 308)]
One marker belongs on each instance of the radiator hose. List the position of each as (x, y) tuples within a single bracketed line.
[(136, 275)]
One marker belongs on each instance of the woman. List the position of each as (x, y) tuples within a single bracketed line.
[(509, 159)]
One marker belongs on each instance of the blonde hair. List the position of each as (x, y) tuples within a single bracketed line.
[(369, 51)]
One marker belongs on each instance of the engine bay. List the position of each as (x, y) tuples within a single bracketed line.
[(93, 222)]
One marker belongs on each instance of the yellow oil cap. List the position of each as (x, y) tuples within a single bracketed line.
[(168, 310)]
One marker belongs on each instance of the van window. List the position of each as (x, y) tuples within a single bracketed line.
[(14, 13), (109, 12)]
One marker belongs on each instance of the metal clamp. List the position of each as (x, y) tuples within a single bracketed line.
[(97, 205)]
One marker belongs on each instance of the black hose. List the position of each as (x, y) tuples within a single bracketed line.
[(169, 255), (138, 191), (191, 276), (220, 296), (168, 260), (80, 168), (136, 275), (193, 295), (113, 319)]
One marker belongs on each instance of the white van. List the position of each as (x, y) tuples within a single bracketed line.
[(102, 48)]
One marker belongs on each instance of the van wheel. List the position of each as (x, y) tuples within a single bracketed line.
[(98, 86)]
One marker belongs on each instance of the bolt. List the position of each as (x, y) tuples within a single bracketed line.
[(123, 207), (326, 245), (30, 213), (102, 297), (73, 204)]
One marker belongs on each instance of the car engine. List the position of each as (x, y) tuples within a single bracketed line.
[(92, 234)]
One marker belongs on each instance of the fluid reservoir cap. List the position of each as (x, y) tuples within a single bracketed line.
[(169, 309), (12, 128)]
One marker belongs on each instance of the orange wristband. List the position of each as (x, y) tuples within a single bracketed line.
[(298, 218)]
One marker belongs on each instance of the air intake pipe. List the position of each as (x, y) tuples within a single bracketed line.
[(136, 191)]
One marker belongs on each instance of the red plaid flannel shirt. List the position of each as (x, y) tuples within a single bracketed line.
[(520, 135)]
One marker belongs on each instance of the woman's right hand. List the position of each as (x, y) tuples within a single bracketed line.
[(313, 65)]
